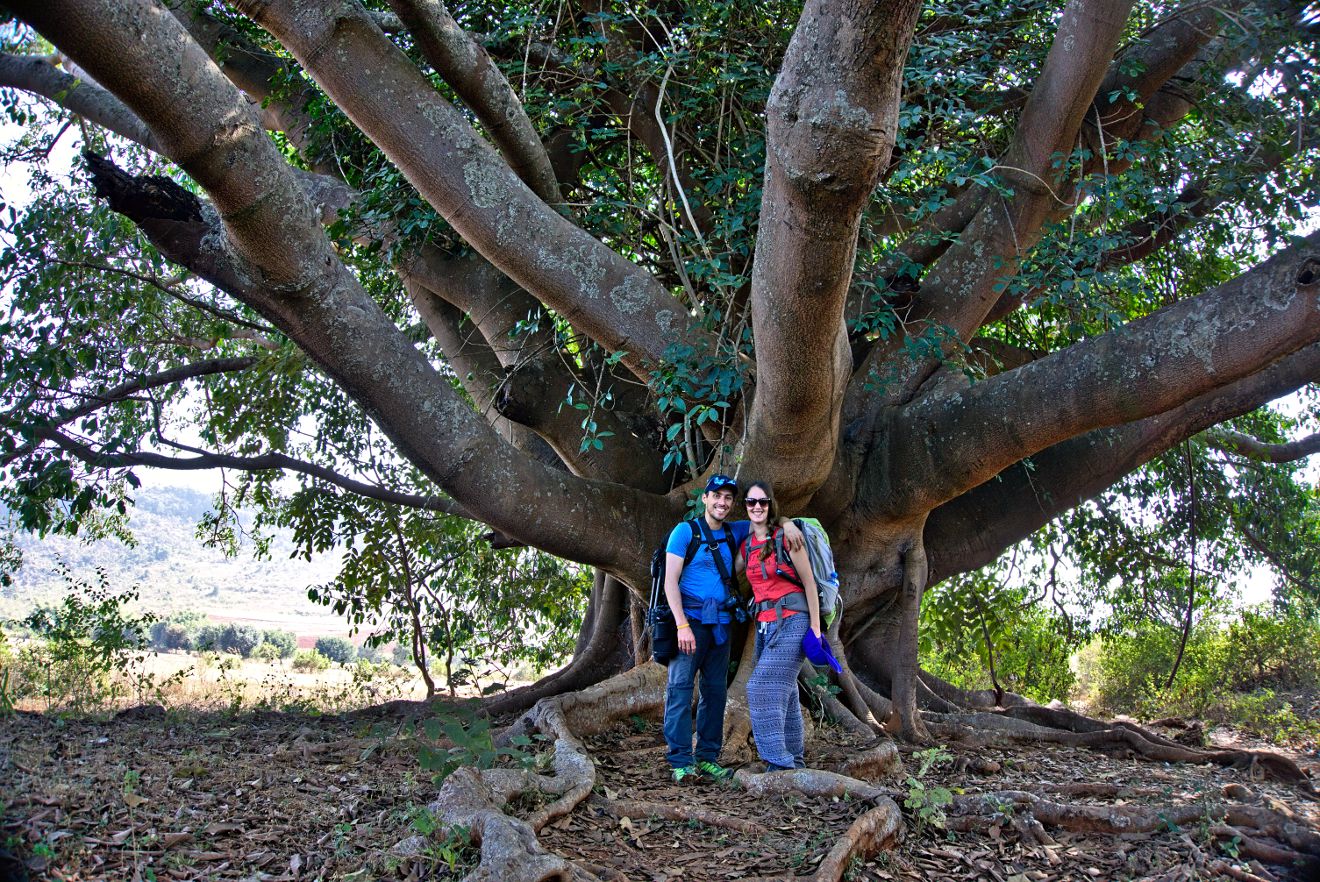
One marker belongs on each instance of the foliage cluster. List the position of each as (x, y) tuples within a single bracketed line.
[(189, 631), (337, 649), (82, 654), (928, 802), (464, 610), (459, 737), (974, 624), (1233, 671), (310, 661)]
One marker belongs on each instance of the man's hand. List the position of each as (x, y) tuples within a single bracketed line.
[(687, 643), (793, 538)]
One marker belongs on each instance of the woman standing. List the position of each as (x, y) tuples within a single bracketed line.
[(787, 605)]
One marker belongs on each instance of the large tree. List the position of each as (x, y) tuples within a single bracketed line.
[(940, 272)]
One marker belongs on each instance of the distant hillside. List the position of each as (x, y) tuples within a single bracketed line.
[(171, 567)]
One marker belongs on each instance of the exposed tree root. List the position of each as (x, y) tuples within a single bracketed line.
[(879, 828), (634, 808), (593, 710), (873, 763), (977, 699), (1246, 826), (835, 710), (1223, 868), (1252, 847), (882, 708), (510, 851), (986, 729), (808, 782), (474, 800), (1276, 825)]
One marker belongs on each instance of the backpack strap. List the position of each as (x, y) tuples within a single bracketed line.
[(781, 555), (693, 544), (658, 565), (711, 542), (795, 601)]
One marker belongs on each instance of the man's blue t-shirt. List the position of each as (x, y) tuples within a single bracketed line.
[(700, 579)]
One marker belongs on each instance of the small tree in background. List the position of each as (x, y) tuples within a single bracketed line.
[(207, 639), (337, 649), (284, 642), (309, 661), (85, 651), (433, 584), (239, 639)]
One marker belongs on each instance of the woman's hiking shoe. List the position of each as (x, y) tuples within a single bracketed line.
[(685, 774), (715, 770)]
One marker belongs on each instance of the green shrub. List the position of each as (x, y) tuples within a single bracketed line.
[(1030, 645), (283, 641), (265, 652), (1268, 650), (1224, 665), (1267, 715), (239, 639), (337, 649), (83, 653), (309, 660), (168, 636), (207, 639)]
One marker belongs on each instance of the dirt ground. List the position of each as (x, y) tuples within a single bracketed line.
[(156, 795)]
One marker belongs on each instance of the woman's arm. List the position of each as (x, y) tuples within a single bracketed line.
[(802, 564)]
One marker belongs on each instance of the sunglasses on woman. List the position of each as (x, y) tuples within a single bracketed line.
[(756, 502)]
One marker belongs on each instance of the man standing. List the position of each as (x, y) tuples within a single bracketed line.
[(701, 594), (696, 592)]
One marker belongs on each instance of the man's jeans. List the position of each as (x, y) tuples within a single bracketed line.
[(713, 664)]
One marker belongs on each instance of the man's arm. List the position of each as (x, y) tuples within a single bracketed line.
[(793, 538), (687, 644)]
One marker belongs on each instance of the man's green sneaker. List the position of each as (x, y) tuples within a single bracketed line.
[(685, 773), (715, 770)]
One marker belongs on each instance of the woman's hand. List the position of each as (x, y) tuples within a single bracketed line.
[(815, 629)]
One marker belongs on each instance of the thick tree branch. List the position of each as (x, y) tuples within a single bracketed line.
[(831, 122), (1150, 88), (1245, 445), (463, 178), (965, 282), (533, 395), (962, 286), (271, 82), (972, 530), (272, 254), (464, 64), (956, 441), (258, 73), (38, 75)]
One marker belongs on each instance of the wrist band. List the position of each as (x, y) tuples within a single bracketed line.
[(684, 625)]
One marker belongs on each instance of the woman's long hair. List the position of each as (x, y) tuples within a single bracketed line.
[(772, 514)]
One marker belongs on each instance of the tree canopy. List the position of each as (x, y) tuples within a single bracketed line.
[(941, 272)]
